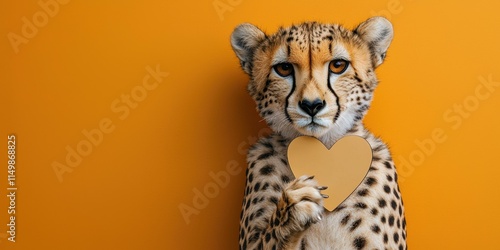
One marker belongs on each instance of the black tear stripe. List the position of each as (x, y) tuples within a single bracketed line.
[(287, 97), (293, 84), (337, 100)]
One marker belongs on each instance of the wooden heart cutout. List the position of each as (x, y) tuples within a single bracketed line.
[(341, 168)]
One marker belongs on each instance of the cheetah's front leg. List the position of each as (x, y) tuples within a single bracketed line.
[(300, 206), (277, 208)]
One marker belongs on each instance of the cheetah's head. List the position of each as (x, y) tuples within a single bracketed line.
[(313, 79)]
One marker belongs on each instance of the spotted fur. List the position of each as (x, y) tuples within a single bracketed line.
[(281, 211)]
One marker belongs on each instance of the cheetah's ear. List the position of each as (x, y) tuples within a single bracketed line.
[(378, 33), (244, 40)]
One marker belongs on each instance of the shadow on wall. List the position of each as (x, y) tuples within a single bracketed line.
[(231, 124)]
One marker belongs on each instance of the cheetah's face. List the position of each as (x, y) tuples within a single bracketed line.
[(313, 79)]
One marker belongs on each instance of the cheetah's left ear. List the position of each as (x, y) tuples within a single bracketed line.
[(244, 40), (378, 33)]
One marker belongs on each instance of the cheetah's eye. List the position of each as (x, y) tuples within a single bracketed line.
[(283, 69), (338, 66)]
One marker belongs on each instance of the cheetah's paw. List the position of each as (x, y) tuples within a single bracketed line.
[(302, 203)]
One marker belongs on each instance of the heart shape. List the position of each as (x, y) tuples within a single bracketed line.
[(341, 168)]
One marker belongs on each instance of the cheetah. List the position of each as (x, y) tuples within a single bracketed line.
[(318, 80)]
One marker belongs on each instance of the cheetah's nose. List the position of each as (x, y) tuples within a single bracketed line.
[(312, 108)]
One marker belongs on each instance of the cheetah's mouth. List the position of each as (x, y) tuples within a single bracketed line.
[(312, 126), (314, 123)]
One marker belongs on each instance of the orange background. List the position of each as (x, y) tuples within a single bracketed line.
[(126, 193)]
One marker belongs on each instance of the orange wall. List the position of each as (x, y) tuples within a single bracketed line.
[(149, 154)]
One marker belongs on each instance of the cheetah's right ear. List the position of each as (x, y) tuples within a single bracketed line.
[(244, 40), (378, 33)]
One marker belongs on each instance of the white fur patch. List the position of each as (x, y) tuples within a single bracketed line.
[(280, 56), (340, 52)]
